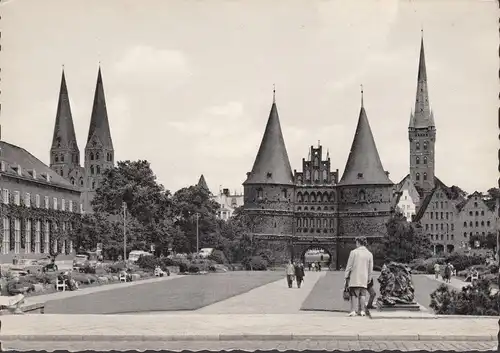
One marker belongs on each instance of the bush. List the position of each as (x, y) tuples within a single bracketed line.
[(183, 267), (473, 299), (462, 261), (148, 262), (256, 263), (116, 267), (218, 256), (212, 268), (87, 269), (193, 269), (426, 265), (166, 262)]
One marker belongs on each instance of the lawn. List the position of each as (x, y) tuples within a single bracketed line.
[(186, 293)]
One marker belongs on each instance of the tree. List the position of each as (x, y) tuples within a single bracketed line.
[(488, 241), (150, 210), (188, 203), (457, 192), (494, 193), (403, 242)]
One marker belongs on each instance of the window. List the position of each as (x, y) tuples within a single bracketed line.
[(55, 203), (81, 208), (91, 170), (425, 145), (325, 175), (477, 224), (465, 224), (452, 227), (6, 235), (93, 185), (488, 223), (91, 156), (442, 206), (46, 202), (5, 196), (27, 200), (442, 236), (37, 200), (63, 205), (425, 160), (417, 146), (70, 206), (425, 176), (17, 198), (475, 204), (46, 236), (97, 156), (426, 227), (97, 169), (27, 245), (470, 213), (482, 223), (452, 237), (477, 213), (62, 157), (71, 248), (38, 227), (72, 181), (470, 224), (285, 193), (17, 235), (417, 160), (417, 176), (482, 213), (465, 234)]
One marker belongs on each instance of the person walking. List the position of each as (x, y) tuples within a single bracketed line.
[(436, 270), (447, 273), (372, 293), (290, 273), (358, 274), (299, 274)]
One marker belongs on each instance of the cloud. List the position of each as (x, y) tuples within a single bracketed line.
[(144, 60)]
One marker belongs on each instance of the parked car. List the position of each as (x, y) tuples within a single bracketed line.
[(45, 260), (31, 266), (135, 254), (80, 261)]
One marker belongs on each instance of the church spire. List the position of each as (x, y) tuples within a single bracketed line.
[(99, 123), (64, 130), (422, 116), (271, 165), (363, 164)]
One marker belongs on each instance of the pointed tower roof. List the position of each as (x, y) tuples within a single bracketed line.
[(422, 115), (99, 123), (202, 183), (271, 165), (64, 130), (363, 164)]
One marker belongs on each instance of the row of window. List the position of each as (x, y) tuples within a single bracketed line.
[(315, 222), (417, 160), (33, 242), (431, 226), (315, 176), (441, 215), (96, 156), (443, 204), (417, 145), (16, 199), (59, 158), (476, 213), (325, 208), (95, 170), (437, 236), (488, 223), (477, 234), (315, 197), (417, 176)]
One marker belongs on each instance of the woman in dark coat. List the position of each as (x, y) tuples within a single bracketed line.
[(299, 273)]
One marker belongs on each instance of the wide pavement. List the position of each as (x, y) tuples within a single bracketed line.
[(299, 345)]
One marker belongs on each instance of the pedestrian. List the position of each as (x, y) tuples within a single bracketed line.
[(299, 274), (319, 266), (313, 265), (290, 273), (436, 270), (358, 274), (447, 273), (309, 266), (372, 293)]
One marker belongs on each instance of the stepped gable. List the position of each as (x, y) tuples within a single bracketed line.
[(272, 165), (363, 165)]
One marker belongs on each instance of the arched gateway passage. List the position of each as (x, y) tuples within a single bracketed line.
[(313, 252)]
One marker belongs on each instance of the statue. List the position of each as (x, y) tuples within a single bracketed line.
[(396, 287)]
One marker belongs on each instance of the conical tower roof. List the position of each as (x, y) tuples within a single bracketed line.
[(423, 116), (363, 165), (99, 123), (64, 130), (202, 183), (272, 165)]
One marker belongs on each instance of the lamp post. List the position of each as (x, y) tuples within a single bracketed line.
[(124, 207), (197, 233)]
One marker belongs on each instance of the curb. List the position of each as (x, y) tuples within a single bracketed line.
[(247, 337)]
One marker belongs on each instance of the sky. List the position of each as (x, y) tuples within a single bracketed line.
[(189, 83)]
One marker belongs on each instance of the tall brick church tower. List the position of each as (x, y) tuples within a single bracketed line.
[(64, 151), (99, 152), (269, 188), (422, 133)]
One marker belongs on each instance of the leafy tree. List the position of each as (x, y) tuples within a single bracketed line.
[(403, 242), (494, 193), (488, 241), (188, 203), (457, 192)]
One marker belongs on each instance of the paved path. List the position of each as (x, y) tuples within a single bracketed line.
[(273, 298), (231, 327), (454, 282), (459, 346)]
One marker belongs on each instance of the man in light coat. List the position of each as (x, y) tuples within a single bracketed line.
[(290, 273), (358, 274)]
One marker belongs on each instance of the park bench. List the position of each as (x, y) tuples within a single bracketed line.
[(123, 277), (61, 285)]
